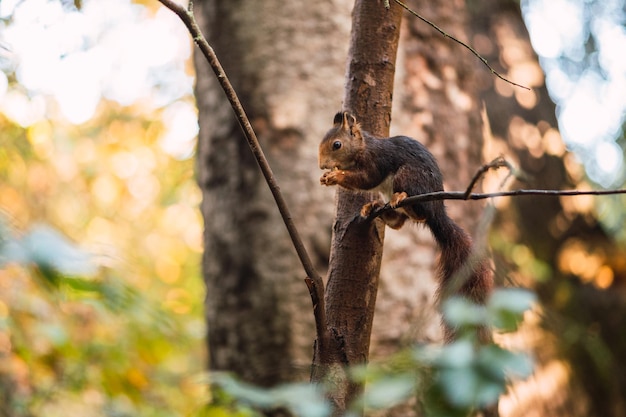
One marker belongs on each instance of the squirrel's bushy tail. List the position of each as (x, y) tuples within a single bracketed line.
[(461, 271)]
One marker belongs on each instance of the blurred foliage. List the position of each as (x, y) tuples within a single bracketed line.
[(569, 250), (298, 399), (451, 380), (112, 326), (460, 377)]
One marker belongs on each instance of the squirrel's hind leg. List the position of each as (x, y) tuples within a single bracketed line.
[(394, 218)]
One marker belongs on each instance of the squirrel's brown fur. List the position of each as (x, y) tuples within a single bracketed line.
[(400, 167)]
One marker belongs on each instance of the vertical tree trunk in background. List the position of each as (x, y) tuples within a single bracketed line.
[(286, 60), (439, 97), (436, 102)]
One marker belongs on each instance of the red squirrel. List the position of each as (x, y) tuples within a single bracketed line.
[(400, 167)]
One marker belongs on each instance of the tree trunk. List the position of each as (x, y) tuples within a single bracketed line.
[(289, 78), (356, 249)]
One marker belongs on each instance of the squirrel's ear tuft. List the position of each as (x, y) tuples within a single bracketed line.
[(348, 121), (338, 120), (350, 125)]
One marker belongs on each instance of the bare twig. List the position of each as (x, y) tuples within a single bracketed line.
[(472, 50), (462, 195), (314, 280), (459, 195), (499, 162), (319, 313), (468, 195)]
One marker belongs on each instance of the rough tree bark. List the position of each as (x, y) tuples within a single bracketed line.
[(356, 249), (289, 78)]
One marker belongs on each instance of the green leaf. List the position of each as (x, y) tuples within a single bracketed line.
[(241, 391), (305, 400), (501, 364), (459, 312), (467, 388), (458, 385), (47, 248), (389, 391), (436, 403), (459, 354), (514, 300), (506, 307)]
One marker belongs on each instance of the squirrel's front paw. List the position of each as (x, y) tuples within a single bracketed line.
[(331, 177)]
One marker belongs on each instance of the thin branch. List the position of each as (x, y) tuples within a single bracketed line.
[(319, 313), (468, 195), (456, 195), (472, 50), (316, 284), (462, 195), (499, 162)]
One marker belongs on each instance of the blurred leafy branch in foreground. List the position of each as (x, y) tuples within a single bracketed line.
[(452, 380)]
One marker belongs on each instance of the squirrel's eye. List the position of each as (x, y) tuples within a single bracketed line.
[(336, 145)]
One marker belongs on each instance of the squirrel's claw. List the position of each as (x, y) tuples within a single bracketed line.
[(331, 177), (326, 179), (396, 198), (367, 209)]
